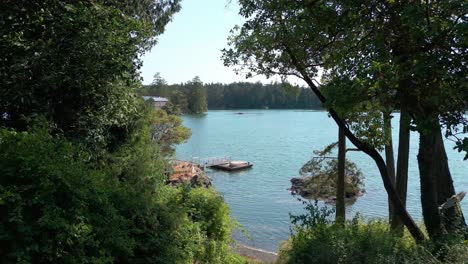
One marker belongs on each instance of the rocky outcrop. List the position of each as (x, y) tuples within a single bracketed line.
[(188, 173), (323, 187)]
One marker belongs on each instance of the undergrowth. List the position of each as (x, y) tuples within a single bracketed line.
[(317, 239)]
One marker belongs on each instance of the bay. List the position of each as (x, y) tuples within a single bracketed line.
[(278, 143)]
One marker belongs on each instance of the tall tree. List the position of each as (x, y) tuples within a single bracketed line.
[(295, 38), (402, 165), (197, 97), (389, 155), (370, 51), (340, 181), (76, 62)]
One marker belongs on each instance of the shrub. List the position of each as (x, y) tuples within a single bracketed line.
[(53, 207), (317, 239), (58, 205), (187, 225)]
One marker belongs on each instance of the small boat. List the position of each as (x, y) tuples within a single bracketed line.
[(233, 166)]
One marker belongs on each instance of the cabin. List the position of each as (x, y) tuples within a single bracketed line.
[(157, 102)]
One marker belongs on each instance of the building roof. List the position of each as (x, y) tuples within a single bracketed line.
[(156, 98)]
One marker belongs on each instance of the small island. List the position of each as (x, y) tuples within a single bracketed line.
[(318, 178), (323, 187)]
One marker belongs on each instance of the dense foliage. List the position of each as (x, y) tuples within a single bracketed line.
[(242, 95), (373, 57), (83, 159), (74, 61), (56, 208), (167, 130), (316, 239)]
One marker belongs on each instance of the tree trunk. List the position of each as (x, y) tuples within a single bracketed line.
[(389, 159), (369, 150), (340, 181), (452, 220), (402, 165), (427, 173), (437, 187)]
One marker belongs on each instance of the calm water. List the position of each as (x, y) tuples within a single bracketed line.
[(278, 143)]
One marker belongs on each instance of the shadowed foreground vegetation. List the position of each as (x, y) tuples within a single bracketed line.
[(83, 160), (57, 207)]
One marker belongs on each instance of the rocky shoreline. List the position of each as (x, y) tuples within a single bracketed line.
[(184, 172)]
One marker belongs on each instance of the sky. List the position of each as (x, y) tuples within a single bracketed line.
[(191, 44)]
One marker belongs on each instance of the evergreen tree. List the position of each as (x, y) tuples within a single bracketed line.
[(197, 97)]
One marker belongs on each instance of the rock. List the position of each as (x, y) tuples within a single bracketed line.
[(323, 187), (188, 173), (298, 182), (200, 180)]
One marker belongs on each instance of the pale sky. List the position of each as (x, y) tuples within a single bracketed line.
[(191, 44)]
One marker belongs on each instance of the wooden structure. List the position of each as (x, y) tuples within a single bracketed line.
[(222, 163)]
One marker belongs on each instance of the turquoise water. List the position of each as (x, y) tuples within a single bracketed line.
[(278, 143)]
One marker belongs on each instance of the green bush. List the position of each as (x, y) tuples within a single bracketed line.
[(189, 224), (58, 205), (54, 208), (317, 239), (170, 225)]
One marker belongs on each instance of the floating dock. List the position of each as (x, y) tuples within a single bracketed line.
[(233, 166)]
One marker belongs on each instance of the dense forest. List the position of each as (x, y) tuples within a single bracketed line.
[(244, 95), (195, 97)]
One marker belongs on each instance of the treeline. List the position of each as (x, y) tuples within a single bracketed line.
[(245, 95), (196, 97)]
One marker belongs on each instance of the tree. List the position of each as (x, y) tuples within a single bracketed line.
[(69, 61), (401, 52), (242, 95), (158, 80), (320, 176), (197, 103), (296, 38), (159, 87), (167, 130), (413, 53), (340, 181), (81, 179), (402, 165), (389, 156)]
